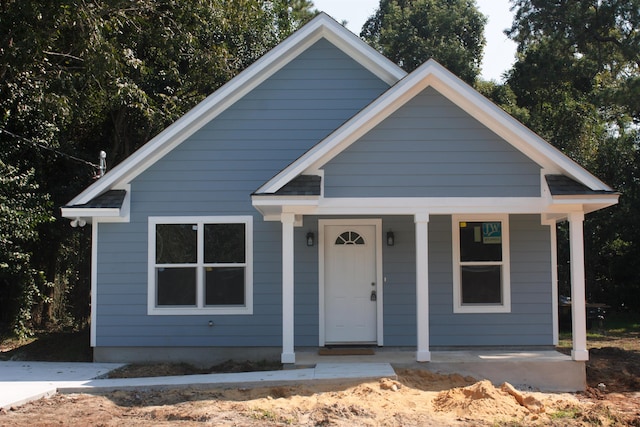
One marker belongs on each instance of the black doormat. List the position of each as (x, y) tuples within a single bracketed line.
[(345, 351)]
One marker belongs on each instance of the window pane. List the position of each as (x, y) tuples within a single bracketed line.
[(176, 286), (224, 243), (176, 243), (480, 241), (481, 284), (224, 286), (350, 238)]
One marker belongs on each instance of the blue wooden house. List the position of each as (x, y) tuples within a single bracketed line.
[(326, 197)]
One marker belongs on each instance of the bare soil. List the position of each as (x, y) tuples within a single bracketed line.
[(417, 397)]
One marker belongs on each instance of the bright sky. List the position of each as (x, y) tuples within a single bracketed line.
[(498, 53)]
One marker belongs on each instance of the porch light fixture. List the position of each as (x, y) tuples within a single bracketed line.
[(391, 239), (310, 239)]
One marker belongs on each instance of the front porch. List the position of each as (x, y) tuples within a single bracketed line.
[(545, 370)]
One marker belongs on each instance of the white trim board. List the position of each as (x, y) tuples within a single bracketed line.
[(377, 222)]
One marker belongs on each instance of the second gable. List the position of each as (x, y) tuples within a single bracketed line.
[(431, 148)]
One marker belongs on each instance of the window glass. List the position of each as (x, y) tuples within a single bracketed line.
[(176, 286), (350, 238), (176, 243), (200, 265), (480, 241), (224, 243), (481, 275), (224, 286), (481, 284)]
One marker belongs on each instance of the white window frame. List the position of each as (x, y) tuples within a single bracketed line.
[(200, 308), (458, 307)]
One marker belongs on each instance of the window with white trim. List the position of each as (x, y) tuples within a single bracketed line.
[(200, 265), (481, 268)]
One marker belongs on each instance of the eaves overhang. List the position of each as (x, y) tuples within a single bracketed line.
[(110, 206), (272, 206)]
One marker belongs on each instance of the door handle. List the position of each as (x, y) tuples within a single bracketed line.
[(374, 296)]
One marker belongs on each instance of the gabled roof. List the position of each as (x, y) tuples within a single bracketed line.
[(322, 26), (432, 74)]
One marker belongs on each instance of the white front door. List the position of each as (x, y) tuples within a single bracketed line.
[(350, 284)]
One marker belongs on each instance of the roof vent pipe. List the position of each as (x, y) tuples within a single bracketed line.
[(102, 164)]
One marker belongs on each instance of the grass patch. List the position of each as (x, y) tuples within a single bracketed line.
[(620, 329), (568, 413)]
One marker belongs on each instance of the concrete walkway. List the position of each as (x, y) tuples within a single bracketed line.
[(22, 382)]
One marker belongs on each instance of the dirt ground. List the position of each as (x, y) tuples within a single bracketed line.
[(416, 398)]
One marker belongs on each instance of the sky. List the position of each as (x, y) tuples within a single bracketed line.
[(499, 52)]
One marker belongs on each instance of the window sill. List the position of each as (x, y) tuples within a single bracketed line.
[(193, 311), (486, 309)]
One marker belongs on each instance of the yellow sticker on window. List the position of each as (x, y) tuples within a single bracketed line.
[(463, 224)]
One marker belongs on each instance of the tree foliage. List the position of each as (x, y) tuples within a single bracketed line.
[(22, 210), (578, 77), (409, 32), (80, 76)]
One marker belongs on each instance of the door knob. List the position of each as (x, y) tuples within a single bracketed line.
[(374, 296)]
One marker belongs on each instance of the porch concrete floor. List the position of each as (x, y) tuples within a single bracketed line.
[(545, 370)]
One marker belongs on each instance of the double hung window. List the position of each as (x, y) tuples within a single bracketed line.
[(200, 265), (481, 273)]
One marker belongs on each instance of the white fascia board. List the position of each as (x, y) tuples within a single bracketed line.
[(586, 204), (432, 205), (90, 212), (408, 206), (319, 27), (383, 68), (257, 200)]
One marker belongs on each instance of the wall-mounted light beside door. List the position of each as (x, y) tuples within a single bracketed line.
[(391, 239)]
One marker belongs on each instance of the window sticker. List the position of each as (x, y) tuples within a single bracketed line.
[(491, 233)]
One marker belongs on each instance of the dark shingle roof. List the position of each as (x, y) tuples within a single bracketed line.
[(108, 199), (561, 185), (302, 185)]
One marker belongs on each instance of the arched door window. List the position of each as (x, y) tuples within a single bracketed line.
[(349, 238)]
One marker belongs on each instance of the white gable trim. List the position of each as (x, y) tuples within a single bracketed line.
[(320, 27), (432, 74)]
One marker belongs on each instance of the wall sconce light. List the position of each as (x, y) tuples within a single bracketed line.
[(310, 239), (391, 239)]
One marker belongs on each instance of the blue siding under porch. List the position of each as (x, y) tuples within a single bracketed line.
[(122, 296), (528, 324)]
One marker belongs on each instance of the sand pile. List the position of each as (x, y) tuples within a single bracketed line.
[(483, 398)]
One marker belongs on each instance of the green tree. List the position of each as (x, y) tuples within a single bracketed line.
[(22, 209), (578, 77), (81, 76), (409, 32)]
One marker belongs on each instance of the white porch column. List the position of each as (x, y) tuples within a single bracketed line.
[(422, 286), (578, 308), (288, 354)]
